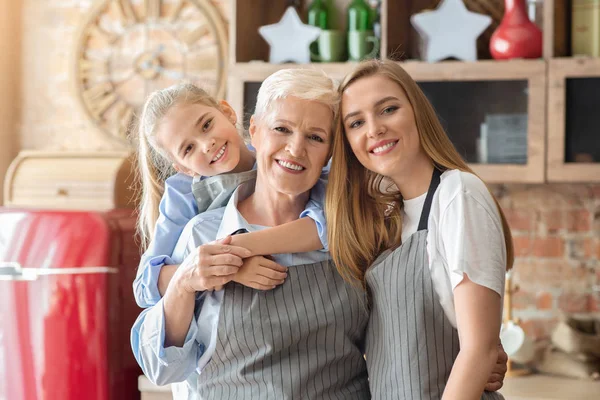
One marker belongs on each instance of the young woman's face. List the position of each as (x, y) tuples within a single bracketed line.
[(201, 140), (292, 147), (379, 123)]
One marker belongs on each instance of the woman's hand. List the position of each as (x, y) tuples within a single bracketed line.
[(496, 379), (210, 266), (260, 273)]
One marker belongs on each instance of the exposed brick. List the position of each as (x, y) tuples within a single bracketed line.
[(522, 300), (544, 301), (594, 303), (548, 247), (574, 302), (578, 220), (522, 245), (537, 329), (591, 248), (553, 220), (519, 220), (550, 274)]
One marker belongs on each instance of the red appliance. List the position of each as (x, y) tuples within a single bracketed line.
[(66, 305)]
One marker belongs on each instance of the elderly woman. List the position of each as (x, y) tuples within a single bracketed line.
[(302, 339)]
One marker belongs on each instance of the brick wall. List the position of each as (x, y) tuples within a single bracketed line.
[(556, 227), (556, 231)]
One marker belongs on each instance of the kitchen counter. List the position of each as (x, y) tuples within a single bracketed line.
[(533, 387), (545, 387)]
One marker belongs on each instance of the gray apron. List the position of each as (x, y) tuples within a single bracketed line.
[(410, 345), (301, 340)]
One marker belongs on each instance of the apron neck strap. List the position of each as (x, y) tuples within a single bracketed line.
[(435, 181)]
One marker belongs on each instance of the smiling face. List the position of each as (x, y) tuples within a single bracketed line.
[(292, 146), (200, 139), (379, 124)]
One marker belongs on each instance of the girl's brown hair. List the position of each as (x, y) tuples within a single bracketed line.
[(363, 222)]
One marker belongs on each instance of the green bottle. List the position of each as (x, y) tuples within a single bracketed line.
[(359, 16), (318, 14)]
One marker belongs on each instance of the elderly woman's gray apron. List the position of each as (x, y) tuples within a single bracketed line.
[(301, 340), (410, 345)]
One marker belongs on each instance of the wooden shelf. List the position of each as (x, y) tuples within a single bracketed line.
[(421, 71), (545, 78), (245, 77)]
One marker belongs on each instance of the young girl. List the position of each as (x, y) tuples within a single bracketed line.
[(436, 294), (183, 128)]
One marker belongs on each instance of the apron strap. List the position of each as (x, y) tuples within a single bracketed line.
[(435, 181)]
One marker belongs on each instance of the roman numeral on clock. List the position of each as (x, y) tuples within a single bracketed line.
[(99, 98), (89, 68), (174, 14), (124, 117), (152, 9), (126, 12), (191, 37)]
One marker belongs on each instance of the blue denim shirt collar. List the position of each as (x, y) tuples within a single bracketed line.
[(232, 219)]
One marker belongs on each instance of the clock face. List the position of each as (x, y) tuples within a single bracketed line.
[(129, 48)]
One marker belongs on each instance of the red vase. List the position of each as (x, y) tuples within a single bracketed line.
[(517, 36)]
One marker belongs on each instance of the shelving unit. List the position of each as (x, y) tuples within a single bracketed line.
[(545, 94)]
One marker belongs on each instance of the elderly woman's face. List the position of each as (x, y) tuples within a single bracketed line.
[(292, 146)]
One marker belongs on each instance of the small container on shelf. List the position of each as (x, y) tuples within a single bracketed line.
[(585, 28)]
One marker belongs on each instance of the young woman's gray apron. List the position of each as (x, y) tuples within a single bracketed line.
[(410, 345), (301, 340)]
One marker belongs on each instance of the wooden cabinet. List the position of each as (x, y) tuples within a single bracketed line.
[(573, 120), (501, 99)]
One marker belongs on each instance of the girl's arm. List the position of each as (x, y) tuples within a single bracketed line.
[(293, 237), (177, 207), (478, 316), (164, 277)]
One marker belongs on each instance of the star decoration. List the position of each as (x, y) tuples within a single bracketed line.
[(450, 31), (289, 38)]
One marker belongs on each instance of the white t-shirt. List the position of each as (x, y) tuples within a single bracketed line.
[(465, 236)]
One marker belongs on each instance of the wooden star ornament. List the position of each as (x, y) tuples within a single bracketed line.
[(450, 31), (289, 38)]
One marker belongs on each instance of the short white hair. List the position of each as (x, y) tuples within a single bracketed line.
[(302, 83)]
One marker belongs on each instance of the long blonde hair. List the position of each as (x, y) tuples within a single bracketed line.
[(362, 223), (154, 164)]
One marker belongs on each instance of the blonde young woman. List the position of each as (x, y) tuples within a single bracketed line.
[(432, 254)]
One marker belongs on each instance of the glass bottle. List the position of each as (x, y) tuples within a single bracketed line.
[(318, 14), (359, 16)]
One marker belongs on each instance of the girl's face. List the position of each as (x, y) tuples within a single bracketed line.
[(379, 123), (292, 147), (201, 140)]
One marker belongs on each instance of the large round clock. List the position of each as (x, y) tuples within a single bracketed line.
[(129, 48)]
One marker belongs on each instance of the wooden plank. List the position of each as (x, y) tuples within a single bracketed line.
[(249, 16), (548, 29), (479, 70), (10, 80), (396, 29), (258, 71)]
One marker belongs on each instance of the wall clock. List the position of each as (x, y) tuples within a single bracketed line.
[(128, 48)]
